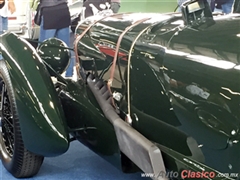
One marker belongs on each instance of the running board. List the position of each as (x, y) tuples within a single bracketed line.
[(146, 155)]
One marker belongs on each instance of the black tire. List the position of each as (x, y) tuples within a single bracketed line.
[(15, 157)]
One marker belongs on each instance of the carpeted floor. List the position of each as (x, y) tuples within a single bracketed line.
[(78, 163)]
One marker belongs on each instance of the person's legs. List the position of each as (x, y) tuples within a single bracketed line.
[(4, 24), (69, 70), (46, 33), (1, 22), (64, 35), (3, 27), (227, 7)]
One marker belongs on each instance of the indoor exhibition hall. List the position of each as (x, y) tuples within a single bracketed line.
[(120, 89)]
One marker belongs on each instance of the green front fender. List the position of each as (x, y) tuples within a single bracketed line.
[(41, 117)]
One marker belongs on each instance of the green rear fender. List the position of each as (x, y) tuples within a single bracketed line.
[(42, 120)]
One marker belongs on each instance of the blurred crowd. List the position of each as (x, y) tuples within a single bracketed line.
[(7, 6), (224, 6)]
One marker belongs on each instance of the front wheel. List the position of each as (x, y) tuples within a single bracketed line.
[(15, 157)]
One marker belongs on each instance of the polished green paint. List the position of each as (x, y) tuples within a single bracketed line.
[(86, 121), (184, 91), (205, 87), (55, 53), (184, 85), (41, 117)]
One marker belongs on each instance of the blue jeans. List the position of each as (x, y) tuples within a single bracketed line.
[(3, 24), (64, 35), (227, 7), (3, 27)]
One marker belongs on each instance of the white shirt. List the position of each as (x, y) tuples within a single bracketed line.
[(4, 10)]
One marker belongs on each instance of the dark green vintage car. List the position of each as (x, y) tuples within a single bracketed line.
[(157, 93)]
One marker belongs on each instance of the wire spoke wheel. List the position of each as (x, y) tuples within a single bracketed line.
[(6, 121), (20, 162)]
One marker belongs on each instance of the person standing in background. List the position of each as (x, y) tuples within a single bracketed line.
[(224, 5), (210, 2), (8, 6), (55, 22), (115, 5)]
